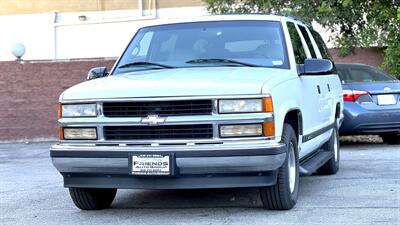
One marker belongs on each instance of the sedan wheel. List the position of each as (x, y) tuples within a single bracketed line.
[(391, 138)]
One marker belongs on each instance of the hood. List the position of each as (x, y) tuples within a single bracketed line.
[(175, 82)]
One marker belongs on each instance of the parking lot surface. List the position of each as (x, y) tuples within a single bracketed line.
[(365, 191)]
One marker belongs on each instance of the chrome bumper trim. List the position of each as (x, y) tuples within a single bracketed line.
[(160, 148), (234, 164), (196, 165)]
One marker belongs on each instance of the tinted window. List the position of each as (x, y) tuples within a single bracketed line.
[(321, 45), (298, 48), (308, 41), (356, 73), (256, 42)]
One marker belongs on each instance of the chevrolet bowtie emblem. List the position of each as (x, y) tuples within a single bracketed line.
[(153, 120)]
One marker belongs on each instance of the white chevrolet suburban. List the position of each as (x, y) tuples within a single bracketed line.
[(216, 102)]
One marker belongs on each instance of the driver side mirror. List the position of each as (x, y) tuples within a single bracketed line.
[(97, 72), (316, 67)]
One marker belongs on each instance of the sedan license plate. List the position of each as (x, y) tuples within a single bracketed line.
[(386, 100), (151, 165)]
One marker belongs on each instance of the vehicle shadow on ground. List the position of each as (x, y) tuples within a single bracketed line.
[(184, 199), (246, 198)]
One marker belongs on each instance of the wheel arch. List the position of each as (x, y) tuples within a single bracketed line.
[(295, 119), (337, 111)]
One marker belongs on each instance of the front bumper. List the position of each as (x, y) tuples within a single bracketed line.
[(196, 166)]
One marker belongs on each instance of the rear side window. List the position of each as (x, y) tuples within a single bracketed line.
[(351, 74), (321, 45), (308, 41), (298, 48)]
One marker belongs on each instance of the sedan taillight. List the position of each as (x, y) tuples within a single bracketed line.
[(353, 95)]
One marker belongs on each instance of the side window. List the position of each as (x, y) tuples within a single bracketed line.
[(308, 41), (298, 48), (321, 45)]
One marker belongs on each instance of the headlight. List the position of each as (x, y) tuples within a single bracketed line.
[(245, 130), (78, 110), (245, 105), (240, 105), (80, 134)]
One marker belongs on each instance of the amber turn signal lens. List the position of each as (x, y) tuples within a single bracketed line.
[(269, 129), (59, 111), (268, 105), (61, 134)]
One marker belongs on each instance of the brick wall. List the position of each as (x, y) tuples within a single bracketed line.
[(370, 56), (29, 92), (29, 95)]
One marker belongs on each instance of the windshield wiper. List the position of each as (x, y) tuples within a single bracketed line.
[(205, 61), (144, 63)]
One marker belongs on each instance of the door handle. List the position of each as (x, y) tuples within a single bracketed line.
[(329, 88), (319, 89)]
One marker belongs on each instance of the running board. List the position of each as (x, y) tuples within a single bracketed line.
[(311, 164)]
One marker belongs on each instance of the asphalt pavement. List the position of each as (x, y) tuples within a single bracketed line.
[(365, 191)]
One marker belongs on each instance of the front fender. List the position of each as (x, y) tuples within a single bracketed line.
[(286, 97)]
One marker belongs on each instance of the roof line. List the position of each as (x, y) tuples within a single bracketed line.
[(297, 19), (270, 14)]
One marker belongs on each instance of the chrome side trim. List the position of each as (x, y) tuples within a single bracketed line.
[(385, 92)]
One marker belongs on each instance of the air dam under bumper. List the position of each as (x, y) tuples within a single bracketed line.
[(203, 166)]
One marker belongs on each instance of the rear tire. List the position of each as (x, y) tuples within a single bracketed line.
[(333, 145), (391, 138), (283, 195), (92, 198)]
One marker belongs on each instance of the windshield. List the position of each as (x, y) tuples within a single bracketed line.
[(361, 73), (220, 43)]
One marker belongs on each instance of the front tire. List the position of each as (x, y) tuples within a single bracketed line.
[(283, 195), (391, 138), (333, 145), (92, 198)]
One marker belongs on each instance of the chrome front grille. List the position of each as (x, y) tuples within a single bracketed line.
[(163, 132), (160, 108), (178, 120)]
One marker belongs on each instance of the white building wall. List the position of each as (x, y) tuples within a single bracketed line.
[(63, 36), (34, 31)]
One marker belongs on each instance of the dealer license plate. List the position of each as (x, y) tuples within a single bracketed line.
[(151, 165), (386, 100)]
